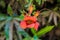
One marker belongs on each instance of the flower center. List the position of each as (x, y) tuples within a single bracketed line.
[(29, 22)]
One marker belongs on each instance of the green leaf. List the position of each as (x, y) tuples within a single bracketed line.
[(21, 17), (27, 38), (43, 1), (7, 30), (20, 30), (11, 30), (9, 10), (28, 3), (22, 11), (17, 18), (33, 30), (7, 25), (45, 13), (44, 30), (3, 17), (35, 38), (39, 1), (55, 20), (2, 23), (58, 1), (9, 18), (2, 3), (50, 17)]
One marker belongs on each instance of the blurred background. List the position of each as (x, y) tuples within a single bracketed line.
[(11, 15)]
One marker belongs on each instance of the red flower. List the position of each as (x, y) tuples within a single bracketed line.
[(29, 22)]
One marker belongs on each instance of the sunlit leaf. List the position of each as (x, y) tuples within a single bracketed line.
[(44, 30)]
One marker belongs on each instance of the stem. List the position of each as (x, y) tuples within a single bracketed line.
[(33, 31)]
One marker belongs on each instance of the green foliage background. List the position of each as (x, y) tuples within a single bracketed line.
[(11, 14)]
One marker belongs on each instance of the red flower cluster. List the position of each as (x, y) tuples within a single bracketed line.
[(30, 21)]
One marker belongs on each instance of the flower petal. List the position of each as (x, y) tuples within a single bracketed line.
[(36, 13), (26, 18), (23, 24), (32, 18), (36, 26), (31, 25)]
